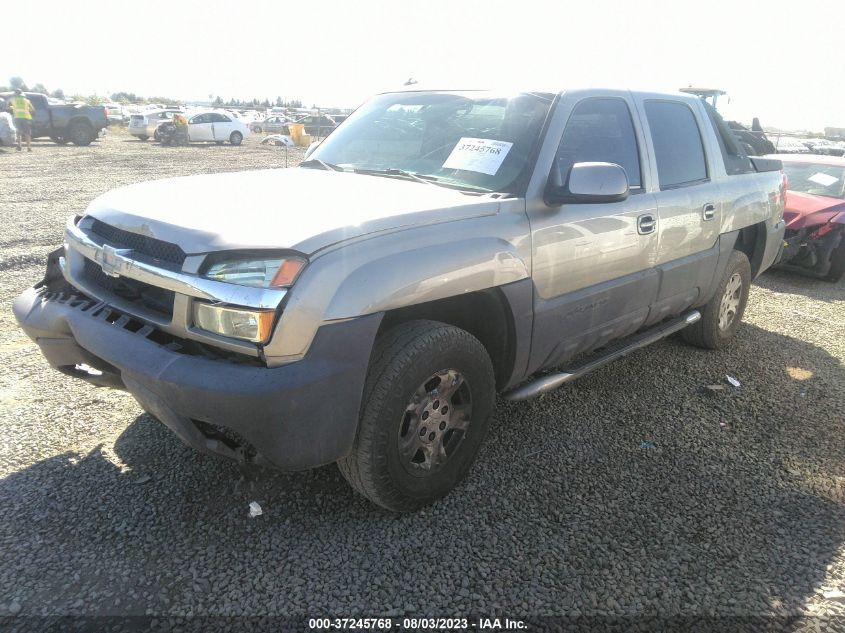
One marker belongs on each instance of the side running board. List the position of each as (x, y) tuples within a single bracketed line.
[(549, 382)]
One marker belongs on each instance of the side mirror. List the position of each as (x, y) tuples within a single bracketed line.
[(311, 149), (589, 183)]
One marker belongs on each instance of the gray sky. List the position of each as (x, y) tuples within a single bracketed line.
[(779, 62)]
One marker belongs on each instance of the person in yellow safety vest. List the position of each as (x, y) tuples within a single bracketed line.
[(22, 111), (179, 120)]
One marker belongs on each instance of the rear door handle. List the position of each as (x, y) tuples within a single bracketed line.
[(646, 224), (709, 211)]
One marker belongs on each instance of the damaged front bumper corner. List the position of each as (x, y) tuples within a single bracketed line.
[(292, 417)]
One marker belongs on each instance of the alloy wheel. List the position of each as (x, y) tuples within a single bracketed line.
[(435, 422), (729, 306)]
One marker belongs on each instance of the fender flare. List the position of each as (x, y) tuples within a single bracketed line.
[(427, 274)]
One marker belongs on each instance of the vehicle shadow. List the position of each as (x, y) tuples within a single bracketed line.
[(632, 492), (786, 282)]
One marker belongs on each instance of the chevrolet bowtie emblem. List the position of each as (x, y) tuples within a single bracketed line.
[(111, 259)]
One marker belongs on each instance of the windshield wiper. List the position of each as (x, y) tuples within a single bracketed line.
[(392, 171), (316, 162)]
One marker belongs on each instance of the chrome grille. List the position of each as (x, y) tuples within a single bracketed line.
[(149, 297)]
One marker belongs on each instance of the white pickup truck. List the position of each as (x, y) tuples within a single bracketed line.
[(437, 248)]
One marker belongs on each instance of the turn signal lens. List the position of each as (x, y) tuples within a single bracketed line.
[(287, 273)]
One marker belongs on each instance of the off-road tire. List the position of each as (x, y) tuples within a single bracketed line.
[(80, 133), (403, 358), (236, 138), (837, 263), (706, 332)]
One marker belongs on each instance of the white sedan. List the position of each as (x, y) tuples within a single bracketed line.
[(216, 126)]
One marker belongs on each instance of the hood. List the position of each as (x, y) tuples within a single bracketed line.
[(301, 209), (804, 209)]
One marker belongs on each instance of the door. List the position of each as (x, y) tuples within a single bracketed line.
[(200, 128), (223, 126), (593, 264), (41, 124), (688, 205)]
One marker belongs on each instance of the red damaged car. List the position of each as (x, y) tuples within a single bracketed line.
[(814, 243)]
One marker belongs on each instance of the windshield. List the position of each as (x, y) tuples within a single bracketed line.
[(471, 141), (819, 180)]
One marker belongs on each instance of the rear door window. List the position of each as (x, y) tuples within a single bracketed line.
[(678, 148)]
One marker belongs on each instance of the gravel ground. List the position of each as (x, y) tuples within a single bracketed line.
[(630, 493)]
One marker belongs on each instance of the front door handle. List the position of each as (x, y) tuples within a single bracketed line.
[(646, 224), (709, 211)]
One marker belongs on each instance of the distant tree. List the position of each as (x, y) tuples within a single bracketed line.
[(126, 97), (164, 100), (255, 102), (218, 101), (279, 102), (40, 89), (295, 103), (266, 103), (17, 83), (58, 93)]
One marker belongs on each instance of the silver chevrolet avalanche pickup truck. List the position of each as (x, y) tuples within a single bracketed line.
[(437, 248)]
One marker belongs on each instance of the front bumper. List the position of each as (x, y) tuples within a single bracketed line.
[(293, 417)]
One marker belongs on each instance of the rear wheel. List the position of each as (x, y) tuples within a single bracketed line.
[(80, 133), (837, 263), (236, 138), (721, 316), (426, 411)]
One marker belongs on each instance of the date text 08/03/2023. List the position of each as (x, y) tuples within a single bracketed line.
[(416, 624)]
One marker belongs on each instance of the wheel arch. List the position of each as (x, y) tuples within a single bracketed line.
[(76, 120), (495, 316), (751, 240)]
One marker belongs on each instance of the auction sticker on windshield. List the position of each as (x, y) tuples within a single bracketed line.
[(483, 155), (825, 180)]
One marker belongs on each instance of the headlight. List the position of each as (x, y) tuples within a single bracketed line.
[(248, 325), (279, 272)]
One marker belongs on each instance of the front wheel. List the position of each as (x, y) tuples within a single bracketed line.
[(236, 138), (720, 317), (427, 405)]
